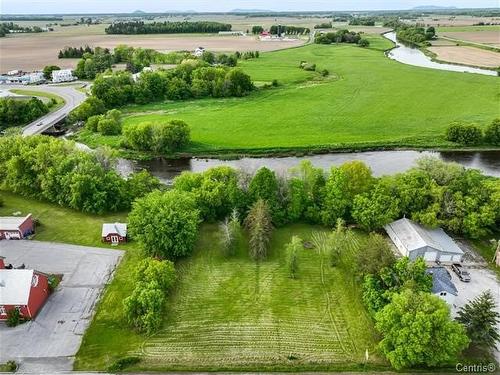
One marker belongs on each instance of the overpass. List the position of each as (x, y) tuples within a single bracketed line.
[(72, 99)]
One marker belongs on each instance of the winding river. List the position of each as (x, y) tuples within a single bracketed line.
[(413, 56), (381, 162)]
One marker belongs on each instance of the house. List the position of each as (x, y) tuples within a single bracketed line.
[(114, 233), (232, 33), (442, 285), (35, 77), (198, 52), (136, 76), (414, 240), (24, 290), (16, 228), (63, 75)]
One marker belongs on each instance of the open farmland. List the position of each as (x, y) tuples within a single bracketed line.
[(18, 50), (488, 37), (236, 314), (355, 107), (467, 55)]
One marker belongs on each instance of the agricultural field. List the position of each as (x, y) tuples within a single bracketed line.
[(443, 20), (236, 314), (355, 107), (467, 55)]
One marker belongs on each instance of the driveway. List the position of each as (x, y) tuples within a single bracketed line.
[(49, 342), (482, 279)]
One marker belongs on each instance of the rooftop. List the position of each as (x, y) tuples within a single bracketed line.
[(441, 280), (415, 236), (15, 286), (12, 222), (118, 228)]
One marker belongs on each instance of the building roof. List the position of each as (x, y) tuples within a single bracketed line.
[(441, 280), (415, 236), (115, 228), (15, 286), (12, 222)]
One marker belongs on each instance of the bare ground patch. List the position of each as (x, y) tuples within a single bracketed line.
[(491, 37), (34, 51), (467, 55)]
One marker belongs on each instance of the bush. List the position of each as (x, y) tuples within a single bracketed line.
[(122, 363), (363, 42), (161, 137), (325, 73), (466, 134), (492, 133), (14, 318), (308, 67)]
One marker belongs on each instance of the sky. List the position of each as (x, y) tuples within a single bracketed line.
[(125, 6)]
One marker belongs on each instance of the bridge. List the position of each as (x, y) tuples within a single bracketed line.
[(72, 99)]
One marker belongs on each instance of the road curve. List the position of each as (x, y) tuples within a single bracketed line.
[(72, 99)]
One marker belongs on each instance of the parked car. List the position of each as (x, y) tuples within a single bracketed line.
[(462, 274)]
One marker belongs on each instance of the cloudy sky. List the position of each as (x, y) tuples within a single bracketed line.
[(116, 6)]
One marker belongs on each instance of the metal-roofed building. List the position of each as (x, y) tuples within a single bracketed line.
[(414, 240), (114, 233), (442, 285)]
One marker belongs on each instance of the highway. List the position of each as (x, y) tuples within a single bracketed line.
[(72, 99)]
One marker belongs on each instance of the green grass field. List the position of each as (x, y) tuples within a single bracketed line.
[(60, 224), (41, 94), (236, 314), (368, 101)]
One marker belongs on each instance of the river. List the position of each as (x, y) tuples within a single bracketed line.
[(413, 56), (381, 162)]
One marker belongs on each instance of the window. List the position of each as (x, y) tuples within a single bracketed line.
[(2, 310), (18, 308), (442, 294), (34, 281)]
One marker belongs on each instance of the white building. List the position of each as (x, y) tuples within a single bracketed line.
[(35, 77), (442, 285), (198, 52), (413, 240), (63, 75)]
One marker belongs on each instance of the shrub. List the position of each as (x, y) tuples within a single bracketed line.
[(107, 126), (308, 67), (363, 42), (14, 318), (325, 73), (163, 137), (292, 249), (122, 363), (54, 281), (144, 306), (466, 134), (92, 122), (492, 133)]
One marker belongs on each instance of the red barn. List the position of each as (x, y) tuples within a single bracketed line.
[(114, 233), (16, 228), (24, 290)]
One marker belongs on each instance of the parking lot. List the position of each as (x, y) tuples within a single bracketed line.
[(48, 343)]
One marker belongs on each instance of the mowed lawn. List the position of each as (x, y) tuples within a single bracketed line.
[(60, 224), (368, 100), (236, 314)]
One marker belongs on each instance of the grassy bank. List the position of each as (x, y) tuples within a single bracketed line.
[(236, 314), (42, 94), (369, 101)]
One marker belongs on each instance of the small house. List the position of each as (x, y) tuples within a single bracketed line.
[(442, 285), (114, 233), (63, 75), (24, 290), (198, 52), (414, 240), (16, 228)]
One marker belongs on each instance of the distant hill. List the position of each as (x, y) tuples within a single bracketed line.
[(250, 11), (433, 7), (138, 12)]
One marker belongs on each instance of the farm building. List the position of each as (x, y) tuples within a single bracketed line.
[(24, 290), (442, 285), (414, 240), (114, 233), (63, 75), (16, 228), (198, 52)]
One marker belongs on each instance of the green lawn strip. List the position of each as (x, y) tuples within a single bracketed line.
[(371, 102), (60, 224), (235, 314), (41, 94), (486, 250)]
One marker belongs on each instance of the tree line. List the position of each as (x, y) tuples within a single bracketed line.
[(362, 21), (7, 27), (139, 27), (46, 168), (191, 79), (472, 134), (288, 30), (341, 36), (18, 112), (74, 52), (415, 35)]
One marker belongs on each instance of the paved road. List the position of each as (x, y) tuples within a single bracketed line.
[(49, 343), (72, 97)]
